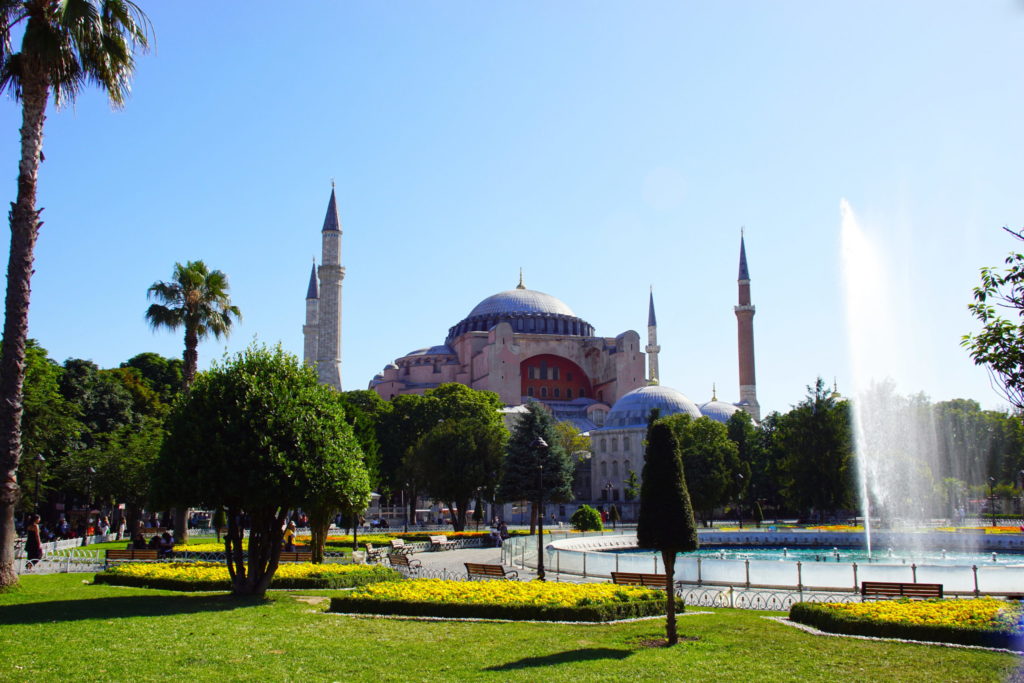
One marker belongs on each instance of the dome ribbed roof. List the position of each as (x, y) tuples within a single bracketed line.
[(521, 301), (633, 409), (720, 411)]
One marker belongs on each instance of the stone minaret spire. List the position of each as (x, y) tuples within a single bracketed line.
[(311, 330), (652, 348), (745, 325), (331, 272)]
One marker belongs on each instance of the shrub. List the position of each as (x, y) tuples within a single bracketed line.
[(504, 600), (586, 518), (987, 621), (206, 576)]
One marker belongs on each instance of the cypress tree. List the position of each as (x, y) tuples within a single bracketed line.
[(666, 515)]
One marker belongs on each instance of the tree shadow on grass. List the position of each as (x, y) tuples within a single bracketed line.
[(120, 608), (569, 656)]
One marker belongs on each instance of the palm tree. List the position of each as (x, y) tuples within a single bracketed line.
[(197, 299), (65, 45)]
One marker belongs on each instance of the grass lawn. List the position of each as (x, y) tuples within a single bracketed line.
[(57, 628)]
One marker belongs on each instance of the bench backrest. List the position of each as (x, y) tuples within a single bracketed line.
[(634, 579), (485, 569), (397, 543), (895, 589), (438, 539), (399, 559), (296, 556), (131, 554)]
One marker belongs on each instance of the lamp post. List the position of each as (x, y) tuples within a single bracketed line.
[(541, 447), (609, 487), (39, 467), (992, 499)]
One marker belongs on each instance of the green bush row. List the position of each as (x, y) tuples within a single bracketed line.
[(829, 619), (348, 580), (607, 612)]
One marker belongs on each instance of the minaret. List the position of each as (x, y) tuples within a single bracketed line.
[(311, 330), (745, 328), (331, 272), (652, 348)]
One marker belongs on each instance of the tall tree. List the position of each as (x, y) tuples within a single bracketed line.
[(710, 459), (196, 299), (817, 441), (666, 516), (521, 476), (999, 346), (65, 45), (164, 375), (259, 436)]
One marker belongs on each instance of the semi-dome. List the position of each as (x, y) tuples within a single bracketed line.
[(720, 411), (527, 311), (633, 409), (439, 350)]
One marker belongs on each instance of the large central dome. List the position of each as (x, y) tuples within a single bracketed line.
[(527, 311), (521, 301)]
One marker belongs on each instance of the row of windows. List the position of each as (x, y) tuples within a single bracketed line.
[(544, 372), (626, 441), (615, 468), (555, 393)]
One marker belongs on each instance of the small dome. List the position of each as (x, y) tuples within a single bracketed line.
[(521, 301), (391, 366), (720, 411), (633, 409), (440, 350)]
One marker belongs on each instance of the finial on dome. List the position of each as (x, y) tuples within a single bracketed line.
[(520, 285), (714, 392)]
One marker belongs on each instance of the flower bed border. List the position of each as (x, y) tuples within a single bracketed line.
[(349, 580), (634, 609), (829, 620)]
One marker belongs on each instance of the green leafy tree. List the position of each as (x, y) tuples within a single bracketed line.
[(258, 435), (461, 448), (529, 472), (399, 430), (586, 518), (364, 411), (666, 516), (164, 375), (103, 400), (817, 442), (613, 515), (65, 45), (195, 299), (632, 487), (710, 459), (999, 346)]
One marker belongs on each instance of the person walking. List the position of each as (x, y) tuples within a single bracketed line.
[(33, 543)]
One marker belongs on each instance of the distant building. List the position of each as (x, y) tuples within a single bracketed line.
[(526, 345)]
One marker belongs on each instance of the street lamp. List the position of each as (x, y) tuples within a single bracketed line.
[(39, 467), (992, 499), (541, 447), (608, 488), (739, 491)]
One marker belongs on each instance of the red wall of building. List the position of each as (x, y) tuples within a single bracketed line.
[(553, 377)]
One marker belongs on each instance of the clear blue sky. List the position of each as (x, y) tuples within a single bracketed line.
[(602, 146)]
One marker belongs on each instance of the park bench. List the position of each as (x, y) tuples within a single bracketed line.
[(633, 579), (296, 556), (887, 589), (489, 571), (441, 543), (404, 562), (398, 546), (130, 555), (374, 554)]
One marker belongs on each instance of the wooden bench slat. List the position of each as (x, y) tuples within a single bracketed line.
[(296, 556), (490, 570), (402, 560), (894, 589), (636, 579)]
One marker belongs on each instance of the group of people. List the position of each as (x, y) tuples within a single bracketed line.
[(163, 543), (499, 532)]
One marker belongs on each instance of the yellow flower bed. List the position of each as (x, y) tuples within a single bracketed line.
[(537, 593), (980, 613), (212, 571)]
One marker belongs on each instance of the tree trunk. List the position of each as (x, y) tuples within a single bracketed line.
[(181, 525), (265, 538), (668, 557), (319, 524), (190, 357), (25, 224)]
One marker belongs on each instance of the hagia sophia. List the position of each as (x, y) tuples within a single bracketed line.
[(526, 345)]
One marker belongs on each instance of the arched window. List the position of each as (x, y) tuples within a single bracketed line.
[(615, 443), (568, 393), (583, 393), (625, 443), (557, 392), (543, 392), (604, 468), (615, 468), (604, 445), (529, 391)]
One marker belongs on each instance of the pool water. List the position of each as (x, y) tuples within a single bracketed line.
[(859, 555)]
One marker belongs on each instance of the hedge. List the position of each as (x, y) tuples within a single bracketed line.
[(597, 613), (826, 618), (349, 580)]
